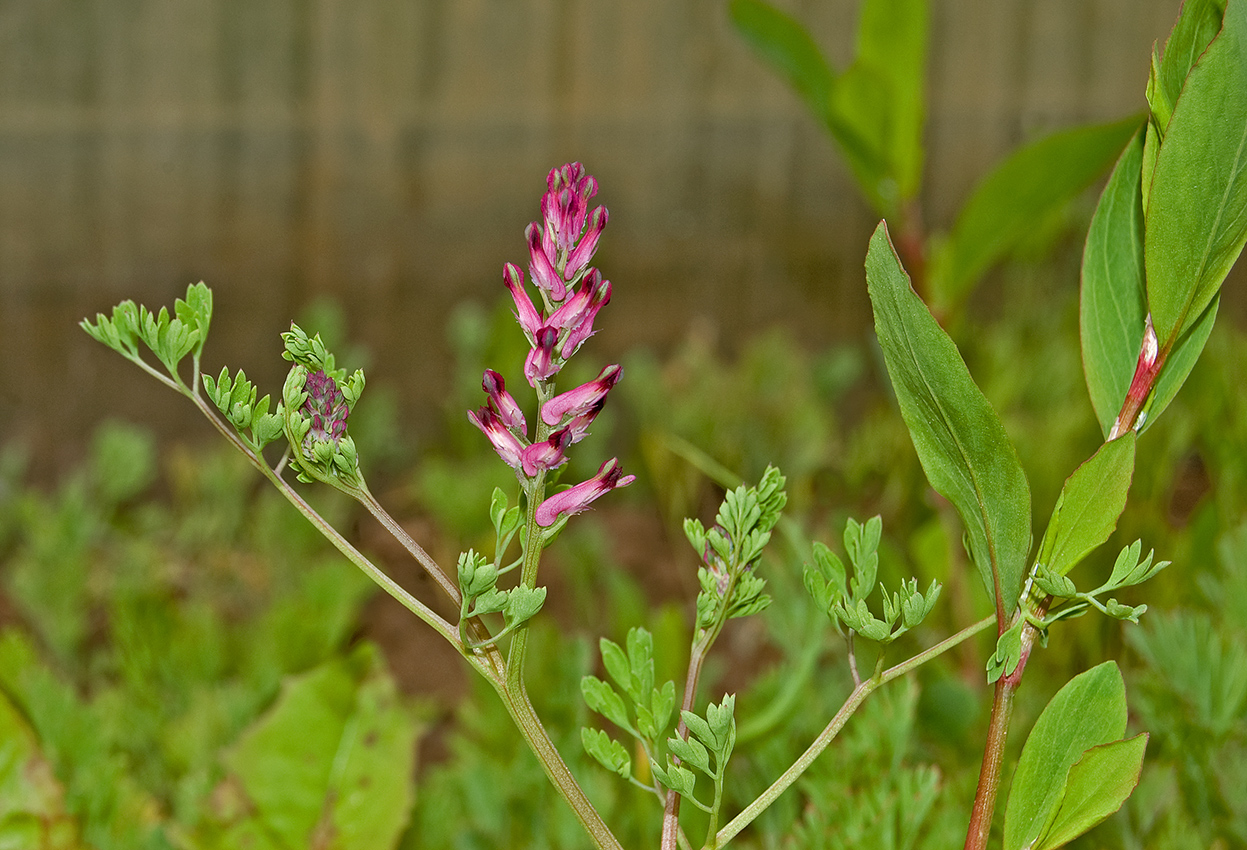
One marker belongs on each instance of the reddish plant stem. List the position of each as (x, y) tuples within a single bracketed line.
[(997, 733)]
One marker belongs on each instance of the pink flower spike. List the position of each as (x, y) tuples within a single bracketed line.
[(507, 445), (577, 498), (525, 313), (503, 403), (541, 266), (583, 398), (540, 365), (583, 253), (548, 454)]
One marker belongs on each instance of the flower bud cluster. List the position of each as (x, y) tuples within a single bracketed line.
[(571, 293), (316, 402)]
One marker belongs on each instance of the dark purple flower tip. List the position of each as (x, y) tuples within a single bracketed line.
[(503, 403), (326, 407), (578, 497), (548, 454), (540, 364)]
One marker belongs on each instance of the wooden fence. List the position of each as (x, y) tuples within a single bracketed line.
[(388, 153)]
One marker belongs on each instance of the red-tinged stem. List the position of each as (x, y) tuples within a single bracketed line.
[(994, 749)]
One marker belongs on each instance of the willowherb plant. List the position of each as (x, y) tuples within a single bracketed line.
[(1160, 245)]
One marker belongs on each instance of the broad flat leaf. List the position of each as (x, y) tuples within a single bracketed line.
[(787, 45), (1097, 786), (960, 440), (1196, 220), (1092, 499), (333, 757), (1112, 307), (1089, 711), (1030, 186)]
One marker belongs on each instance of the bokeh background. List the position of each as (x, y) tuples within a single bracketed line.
[(388, 154)]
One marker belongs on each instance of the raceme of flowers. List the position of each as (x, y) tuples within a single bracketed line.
[(570, 295)]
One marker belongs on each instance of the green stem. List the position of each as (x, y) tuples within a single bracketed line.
[(413, 548), (851, 704), (696, 660), (520, 707), (322, 525)]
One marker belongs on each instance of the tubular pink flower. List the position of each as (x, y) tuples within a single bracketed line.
[(574, 309), (583, 252), (503, 403), (583, 398), (548, 454), (506, 444), (540, 364), (541, 265), (578, 497), (583, 329), (525, 313)]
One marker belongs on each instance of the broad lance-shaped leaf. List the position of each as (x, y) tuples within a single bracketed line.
[(1092, 499), (1098, 784), (1113, 307), (1030, 187), (1196, 220), (960, 440), (1088, 711)]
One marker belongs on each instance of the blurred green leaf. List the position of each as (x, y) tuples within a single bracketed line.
[(882, 97), (1031, 185), (787, 45), (1090, 503), (1098, 784), (333, 758), (1088, 711), (958, 436), (1196, 220)]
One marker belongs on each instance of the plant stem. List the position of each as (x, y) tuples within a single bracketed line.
[(851, 704), (322, 525), (993, 758), (994, 747), (520, 707), (400, 534), (696, 660)]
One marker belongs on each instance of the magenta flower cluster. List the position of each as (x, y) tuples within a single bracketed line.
[(326, 407), (571, 294)]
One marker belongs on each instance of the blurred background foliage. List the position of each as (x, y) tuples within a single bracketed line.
[(183, 663)]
